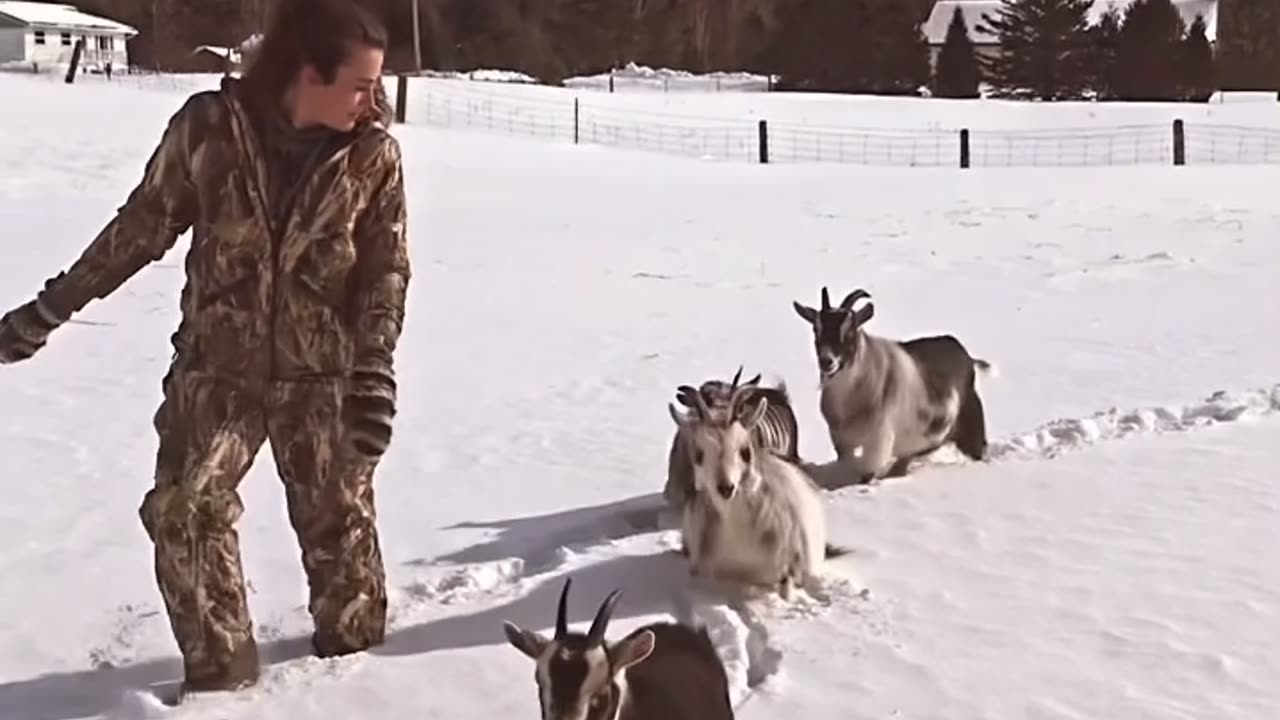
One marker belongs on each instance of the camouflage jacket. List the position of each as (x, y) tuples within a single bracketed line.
[(315, 297)]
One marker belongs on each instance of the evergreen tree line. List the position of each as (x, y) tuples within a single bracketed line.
[(1051, 51)]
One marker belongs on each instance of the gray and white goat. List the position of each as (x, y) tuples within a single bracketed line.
[(777, 431), (661, 671), (887, 402), (754, 517)]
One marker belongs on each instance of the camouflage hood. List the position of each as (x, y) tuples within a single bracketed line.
[(381, 114)]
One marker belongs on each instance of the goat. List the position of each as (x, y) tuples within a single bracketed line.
[(887, 402), (754, 516), (777, 431), (661, 671)]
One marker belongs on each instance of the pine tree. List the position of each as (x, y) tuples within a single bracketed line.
[(1249, 45), (1198, 71), (1044, 49), (1104, 37), (1149, 52), (957, 74)]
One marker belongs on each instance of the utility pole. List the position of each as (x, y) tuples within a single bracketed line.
[(417, 39)]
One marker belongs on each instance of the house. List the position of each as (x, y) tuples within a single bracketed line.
[(935, 27), (212, 58), (41, 35), (985, 44)]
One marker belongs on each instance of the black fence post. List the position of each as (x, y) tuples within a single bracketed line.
[(575, 121), (74, 67), (402, 97), (964, 148), (1179, 143), (764, 142)]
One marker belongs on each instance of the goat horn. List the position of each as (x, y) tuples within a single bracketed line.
[(596, 634), (736, 377), (826, 299), (753, 381), (740, 395), (562, 623), (854, 297), (693, 399), (703, 410)]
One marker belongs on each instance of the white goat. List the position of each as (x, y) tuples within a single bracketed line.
[(887, 402), (776, 432), (754, 517)]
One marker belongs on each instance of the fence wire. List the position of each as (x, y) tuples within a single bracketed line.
[(1150, 144), (524, 111), (1232, 145)]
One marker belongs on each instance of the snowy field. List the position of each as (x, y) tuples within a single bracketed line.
[(1108, 562)]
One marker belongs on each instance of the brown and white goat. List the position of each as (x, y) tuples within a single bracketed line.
[(661, 671)]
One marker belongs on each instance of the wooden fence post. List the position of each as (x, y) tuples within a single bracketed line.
[(402, 97), (964, 148), (764, 142), (74, 67), (1179, 143)]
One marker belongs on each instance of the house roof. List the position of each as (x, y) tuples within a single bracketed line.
[(51, 15), (935, 28)]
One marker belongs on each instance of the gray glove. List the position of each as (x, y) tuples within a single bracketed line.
[(25, 329), (368, 410)]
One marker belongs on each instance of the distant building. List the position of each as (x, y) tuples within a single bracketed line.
[(44, 34), (213, 58), (935, 28)]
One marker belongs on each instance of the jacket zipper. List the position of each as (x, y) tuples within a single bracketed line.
[(277, 231)]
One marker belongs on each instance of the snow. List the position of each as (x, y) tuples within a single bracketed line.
[(1109, 561)]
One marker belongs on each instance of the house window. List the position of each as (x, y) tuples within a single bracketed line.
[(104, 42), (66, 38), (39, 36)]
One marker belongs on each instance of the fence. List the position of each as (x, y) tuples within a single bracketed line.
[(764, 141)]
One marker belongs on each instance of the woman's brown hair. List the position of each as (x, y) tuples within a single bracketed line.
[(320, 33)]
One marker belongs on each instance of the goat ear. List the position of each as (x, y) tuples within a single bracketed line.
[(530, 643), (675, 415), (752, 415), (632, 649), (864, 313), (809, 314)]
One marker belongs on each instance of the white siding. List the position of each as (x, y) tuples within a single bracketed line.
[(13, 45), (58, 45)]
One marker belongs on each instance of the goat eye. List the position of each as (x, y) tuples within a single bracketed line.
[(697, 457), (745, 454)]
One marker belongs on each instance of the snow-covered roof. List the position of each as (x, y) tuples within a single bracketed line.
[(228, 53), (1187, 8), (34, 14), (935, 28)]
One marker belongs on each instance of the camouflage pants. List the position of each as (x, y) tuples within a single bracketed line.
[(210, 429)]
